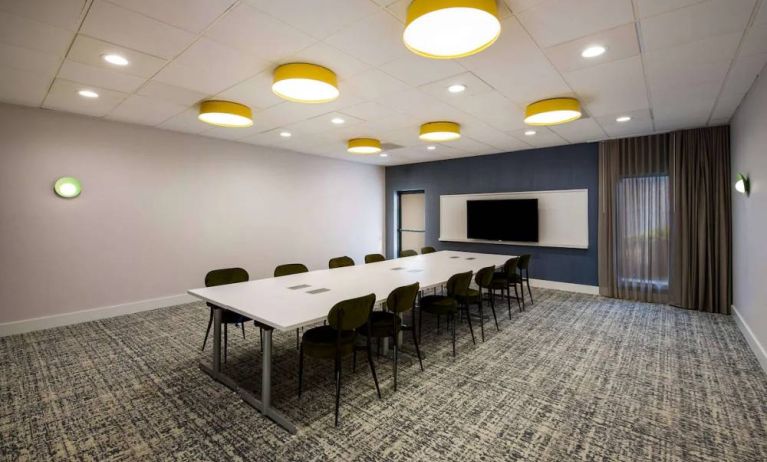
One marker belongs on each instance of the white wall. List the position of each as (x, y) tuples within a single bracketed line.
[(749, 226), (159, 209)]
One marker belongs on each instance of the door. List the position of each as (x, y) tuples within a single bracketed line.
[(411, 222)]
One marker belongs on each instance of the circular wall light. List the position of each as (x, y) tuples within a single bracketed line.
[(553, 111), (67, 187), (225, 114), (440, 131), (593, 51), (305, 83), (445, 29), (117, 60), (743, 184), (364, 146)]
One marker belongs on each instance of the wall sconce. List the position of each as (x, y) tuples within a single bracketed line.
[(67, 187), (743, 185)]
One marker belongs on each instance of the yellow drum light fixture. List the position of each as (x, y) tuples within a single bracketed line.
[(225, 114), (553, 111), (305, 83), (364, 146), (440, 131), (445, 29)]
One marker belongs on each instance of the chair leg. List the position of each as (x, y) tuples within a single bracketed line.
[(354, 360), (508, 299), (481, 319), (420, 323), (527, 280), (300, 369), (396, 360), (261, 338), (207, 332), (451, 317), (298, 340), (522, 292), (338, 384), (492, 308), (471, 329), (373, 368), (242, 324), (417, 350), (521, 306), (226, 341)]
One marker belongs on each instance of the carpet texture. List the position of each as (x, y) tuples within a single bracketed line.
[(575, 377)]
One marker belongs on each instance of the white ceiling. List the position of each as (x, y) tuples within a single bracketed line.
[(670, 64)]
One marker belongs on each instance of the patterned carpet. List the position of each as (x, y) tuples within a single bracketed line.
[(576, 377)]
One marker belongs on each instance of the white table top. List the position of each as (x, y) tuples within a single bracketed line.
[(272, 302)]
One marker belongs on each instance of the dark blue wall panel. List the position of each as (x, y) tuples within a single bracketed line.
[(563, 167)]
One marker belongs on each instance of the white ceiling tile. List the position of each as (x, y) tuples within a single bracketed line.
[(376, 39), (90, 51), (27, 33), (65, 14), (621, 43), (557, 21), (169, 93), (416, 70), (610, 87), (518, 6), (683, 113), (739, 80), (23, 87), (25, 59), (755, 41), (256, 92), (498, 139), (322, 124), (370, 110), (474, 86), (186, 122), (124, 27), (543, 137), (258, 34), (696, 22), (761, 15), (192, 15), (234, 134), (209, 67), (640, 124), (647, 8), (372, 84), (145, 110), (63, 97), (99, 76), (581, 131), (342, 64), (492, 108), (393, 122)]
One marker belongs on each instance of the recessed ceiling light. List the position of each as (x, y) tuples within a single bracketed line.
[(593, 51), (383, 154), (88, 94), (67, 187), (623, 119), (457, 88), (337, 120), (226, 114), (286, 134), (553, 111), (305, 83), (117, 60), (431, 148), (530, 133)]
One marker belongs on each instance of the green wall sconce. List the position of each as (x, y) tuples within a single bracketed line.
[(742, 184), (67, 187)]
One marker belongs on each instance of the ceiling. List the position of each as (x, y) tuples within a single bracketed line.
[(669, 64)]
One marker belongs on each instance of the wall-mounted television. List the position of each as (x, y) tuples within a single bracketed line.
[(502, 220)]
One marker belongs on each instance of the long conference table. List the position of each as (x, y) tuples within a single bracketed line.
[(304, 299)]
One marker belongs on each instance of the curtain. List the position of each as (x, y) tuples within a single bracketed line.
[(665, 217)]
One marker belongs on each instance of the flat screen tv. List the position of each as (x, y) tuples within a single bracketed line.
[(502, 220)]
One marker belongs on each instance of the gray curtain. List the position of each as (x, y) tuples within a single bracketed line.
[(664, 221)]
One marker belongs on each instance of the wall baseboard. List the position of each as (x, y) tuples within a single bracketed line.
[(566, 286), (76, 317), (753, 342)]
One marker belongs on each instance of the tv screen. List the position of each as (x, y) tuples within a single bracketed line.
[(503, 220)]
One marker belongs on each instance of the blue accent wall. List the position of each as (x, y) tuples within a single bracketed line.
[(563, 167)]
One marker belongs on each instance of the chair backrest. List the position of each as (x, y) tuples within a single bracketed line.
[(458, 284), (425, 250), (351, 314), (225, 276), (290, 268), (484, 277), (510, 267), (374, 257), (339, 262), (524, 262), (408, 253), (402, 298)]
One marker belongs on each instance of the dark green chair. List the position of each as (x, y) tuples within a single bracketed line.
[(448, 305), (505, 279), (383, 324), (484, 280), (222, 277), (340, 262), (336, 339), (524, 274), (407, 253), (287, 270), (425, 250), (374, 258)]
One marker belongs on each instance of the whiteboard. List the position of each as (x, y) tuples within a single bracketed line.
[(563, 217)]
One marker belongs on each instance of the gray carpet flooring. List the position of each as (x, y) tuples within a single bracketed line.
[(575, 377)]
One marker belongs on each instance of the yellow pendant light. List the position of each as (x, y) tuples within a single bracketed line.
[(553, 111), (445, 29), (440, 131), (305, 83), (364, 146), (225, 114)]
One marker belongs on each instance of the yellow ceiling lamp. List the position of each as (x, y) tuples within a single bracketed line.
[(440, 131), (446, 29), (553, 111), (225, 114), (364, 146), (305, 83)]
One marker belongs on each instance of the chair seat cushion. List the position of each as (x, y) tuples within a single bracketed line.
[(471, 295), (439, 304), (320, 342), (380, 324)]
